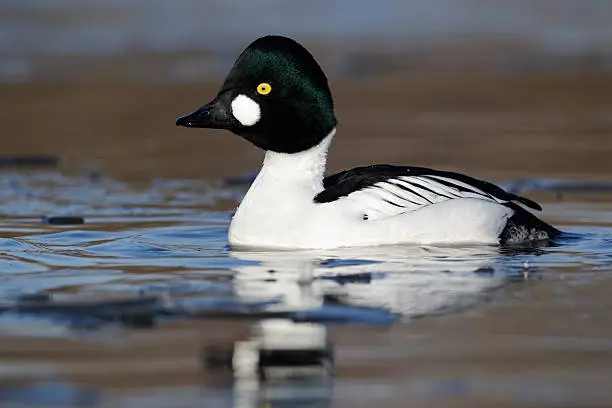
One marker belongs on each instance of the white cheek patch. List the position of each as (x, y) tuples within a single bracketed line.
[(246, 110)]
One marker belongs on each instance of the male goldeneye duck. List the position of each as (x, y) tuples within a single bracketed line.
[(276, 96)]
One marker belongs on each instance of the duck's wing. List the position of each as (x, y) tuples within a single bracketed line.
[(385, 190)]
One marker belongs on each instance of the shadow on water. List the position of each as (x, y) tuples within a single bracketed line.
[(155, 257)]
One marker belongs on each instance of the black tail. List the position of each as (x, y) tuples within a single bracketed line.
[(525, 228)]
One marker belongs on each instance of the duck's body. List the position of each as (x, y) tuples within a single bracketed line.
[(292, 205)]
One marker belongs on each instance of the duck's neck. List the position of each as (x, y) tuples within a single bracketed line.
[(281, 196), (305, 168)]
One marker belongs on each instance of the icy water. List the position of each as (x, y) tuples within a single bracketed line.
[(144, 305)]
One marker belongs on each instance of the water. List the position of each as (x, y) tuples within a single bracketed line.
[(148, 284), (69, 26), (144, 305), (54, 38)]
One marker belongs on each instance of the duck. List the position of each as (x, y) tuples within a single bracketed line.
[(277, 97)]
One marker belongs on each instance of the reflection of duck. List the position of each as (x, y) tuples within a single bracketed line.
[(410, 280), (281, 363), (277, 97), (407, 280)]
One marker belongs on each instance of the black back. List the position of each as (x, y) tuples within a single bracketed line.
[(348, 181)]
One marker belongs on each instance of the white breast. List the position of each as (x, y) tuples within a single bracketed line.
[(279, 205)]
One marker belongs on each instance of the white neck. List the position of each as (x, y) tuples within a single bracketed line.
[(281, 195), (307, 167)]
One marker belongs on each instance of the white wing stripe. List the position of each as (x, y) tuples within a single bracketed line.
[(448, 191), (403, 193), (421, 195), (408, 193), (437, 190), (465, 186), (388, 197)]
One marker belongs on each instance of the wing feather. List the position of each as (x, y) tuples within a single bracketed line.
[(384, 190), (403, 194), (410, 190)]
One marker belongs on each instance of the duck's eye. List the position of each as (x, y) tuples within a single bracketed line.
[(264, 88)]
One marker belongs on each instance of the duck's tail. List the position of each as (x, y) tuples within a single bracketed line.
[(525, 228)]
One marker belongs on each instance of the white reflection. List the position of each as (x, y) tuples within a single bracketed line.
[(407, 280), (279, 363), (404, 279), (281, 349)]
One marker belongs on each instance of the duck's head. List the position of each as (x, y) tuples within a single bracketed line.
[(276, 96)]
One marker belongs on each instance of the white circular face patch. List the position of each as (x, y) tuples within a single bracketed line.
[(246, 110)]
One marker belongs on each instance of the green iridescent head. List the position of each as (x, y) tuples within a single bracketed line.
[(276, 96)]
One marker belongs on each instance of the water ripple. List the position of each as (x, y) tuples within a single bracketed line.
[(169, 240)]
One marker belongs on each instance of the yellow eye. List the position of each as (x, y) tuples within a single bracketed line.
[(264, 88)]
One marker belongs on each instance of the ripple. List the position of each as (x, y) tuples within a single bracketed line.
[(139, 241)]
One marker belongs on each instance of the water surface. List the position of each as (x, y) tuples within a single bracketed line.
[(144, 304), (148, 285)]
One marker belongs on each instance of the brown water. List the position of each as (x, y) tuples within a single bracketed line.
[(144, 305)]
